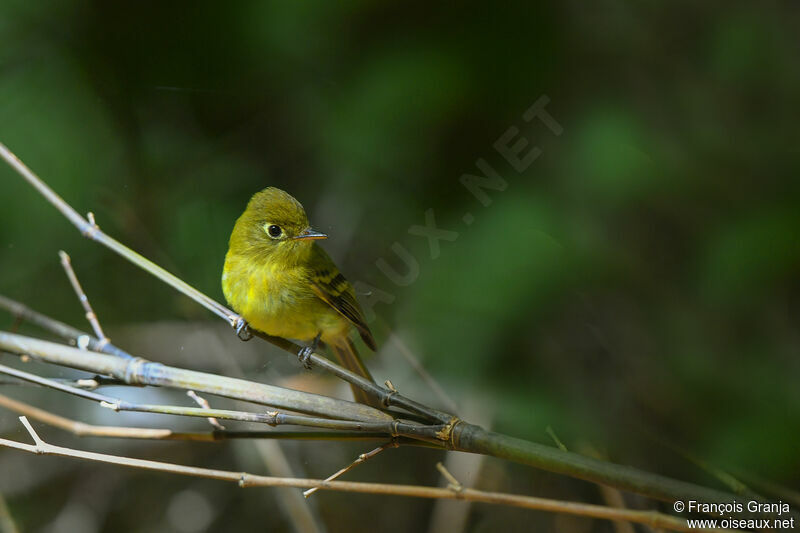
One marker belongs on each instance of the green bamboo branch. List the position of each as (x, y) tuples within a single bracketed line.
[(475, 439)]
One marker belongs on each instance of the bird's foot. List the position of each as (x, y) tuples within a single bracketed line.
[(242, 330), (306, 352)]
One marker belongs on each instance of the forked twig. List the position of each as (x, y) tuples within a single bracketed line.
[(360, 459), (91, 316), (202, 402), (453, 484), (244, 480)]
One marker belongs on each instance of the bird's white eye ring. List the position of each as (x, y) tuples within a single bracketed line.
[(273, 230)]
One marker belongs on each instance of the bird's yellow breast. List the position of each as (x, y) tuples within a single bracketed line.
[(278, 300)]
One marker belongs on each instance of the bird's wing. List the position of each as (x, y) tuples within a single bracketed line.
[(332, 287)]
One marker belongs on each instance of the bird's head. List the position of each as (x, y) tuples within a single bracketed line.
[(274, 224)]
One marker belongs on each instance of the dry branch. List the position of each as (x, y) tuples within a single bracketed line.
[(82, 429), (245, 480), (91, 316)]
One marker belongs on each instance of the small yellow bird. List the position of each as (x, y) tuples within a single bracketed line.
[(285, 285)]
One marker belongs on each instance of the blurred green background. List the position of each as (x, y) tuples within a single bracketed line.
[(636, 288)]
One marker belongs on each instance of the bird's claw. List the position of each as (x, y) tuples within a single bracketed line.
[(304, 354), (242, 330), (306, 351)]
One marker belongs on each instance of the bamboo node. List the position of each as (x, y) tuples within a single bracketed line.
[(447, 431), (133, 369), (91, 229), (386, 400)]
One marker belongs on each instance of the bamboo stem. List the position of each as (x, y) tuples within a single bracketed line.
[(475, 439), (82, 429), (140, 371)]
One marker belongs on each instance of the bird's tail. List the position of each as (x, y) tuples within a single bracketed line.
[(349, 358)]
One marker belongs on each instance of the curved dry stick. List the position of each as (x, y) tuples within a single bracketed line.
[(244, 479)]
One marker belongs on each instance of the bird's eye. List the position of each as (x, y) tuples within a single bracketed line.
[(274, 231)]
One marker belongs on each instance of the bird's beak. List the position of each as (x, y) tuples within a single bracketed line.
[(310, 235)]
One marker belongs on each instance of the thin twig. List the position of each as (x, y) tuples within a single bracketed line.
[(426, 376), (91, 231), (453, 516), (92, 383), (611, 496), (91, 316), (82, 429), (202, 402), (65, 331), (556, 440), (245, 480), (17, 323), (79, 428), (360, 459), (792, 496), (386, 396), (733, 484), (452, 483)]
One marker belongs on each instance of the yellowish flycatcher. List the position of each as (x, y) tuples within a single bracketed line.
[(284, 284)]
